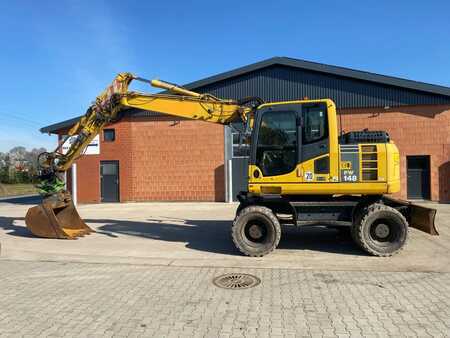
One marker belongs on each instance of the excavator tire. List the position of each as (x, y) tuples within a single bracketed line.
[(380, 230), (240, 208), (357, 218), (256, 231), (56, 219)]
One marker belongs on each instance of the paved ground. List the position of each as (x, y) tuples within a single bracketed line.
[(88, 300), (148, 271), (198, 234)]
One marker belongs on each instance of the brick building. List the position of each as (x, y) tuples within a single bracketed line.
[(150, 157)]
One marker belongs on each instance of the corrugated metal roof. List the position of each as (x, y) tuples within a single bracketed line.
[(324, 68), (282, 78), (282, 83)]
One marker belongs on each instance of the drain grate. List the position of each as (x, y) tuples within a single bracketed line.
[(236, 281)]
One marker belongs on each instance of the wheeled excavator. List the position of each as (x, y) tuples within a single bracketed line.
[(301, 171)]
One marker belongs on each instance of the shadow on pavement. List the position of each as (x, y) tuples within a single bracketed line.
[(214, 235), (319, 238), (7, 224), (207, 235), (202, 235), (22, 200)]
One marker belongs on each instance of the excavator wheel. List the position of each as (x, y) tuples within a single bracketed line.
[(256, 231), (380, 230)]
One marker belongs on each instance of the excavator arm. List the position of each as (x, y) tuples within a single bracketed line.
[(116, 98), (57, 217)]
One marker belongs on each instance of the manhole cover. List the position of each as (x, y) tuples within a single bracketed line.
[(236, 281)]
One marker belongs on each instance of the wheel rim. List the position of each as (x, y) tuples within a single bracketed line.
[(256, 232), (381, 231), (384, 232)]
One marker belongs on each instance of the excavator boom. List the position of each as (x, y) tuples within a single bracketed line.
[(57, 217)]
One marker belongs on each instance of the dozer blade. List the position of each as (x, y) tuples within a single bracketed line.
[(422, 219), (56, 219), (419, 217)]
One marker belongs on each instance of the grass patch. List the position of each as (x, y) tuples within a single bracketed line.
[(17, 189)]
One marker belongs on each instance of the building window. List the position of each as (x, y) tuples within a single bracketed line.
[(240, 141), (240, 147), (109, 135)]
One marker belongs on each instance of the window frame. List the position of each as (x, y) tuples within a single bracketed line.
[(295, 109), (305, 109), (109, 130), (239, 146)]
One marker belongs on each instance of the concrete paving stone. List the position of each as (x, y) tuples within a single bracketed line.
[(342, 335), (165, 286), (148, 233)]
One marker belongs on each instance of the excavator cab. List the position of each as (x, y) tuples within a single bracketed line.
[(297, 153)]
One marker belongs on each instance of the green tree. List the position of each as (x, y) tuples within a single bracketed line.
[(4, 174)]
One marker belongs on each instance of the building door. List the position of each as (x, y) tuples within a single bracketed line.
[(109, 181), (240, 175), (418, 184), (239, 162)]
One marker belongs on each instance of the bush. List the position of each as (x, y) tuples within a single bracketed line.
[(4, 175), (19, 165), (22, 177)]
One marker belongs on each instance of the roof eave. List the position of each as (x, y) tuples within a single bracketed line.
[(54, 128)]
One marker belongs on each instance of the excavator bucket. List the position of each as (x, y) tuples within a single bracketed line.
[(56, 218)]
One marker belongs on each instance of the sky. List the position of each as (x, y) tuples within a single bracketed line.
[(57, 56)]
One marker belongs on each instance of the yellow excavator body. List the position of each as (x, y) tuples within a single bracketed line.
[(299, 164)]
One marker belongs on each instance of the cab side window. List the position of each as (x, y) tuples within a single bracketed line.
[(277, 143), (315, 123)]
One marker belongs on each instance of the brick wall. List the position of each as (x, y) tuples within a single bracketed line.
[(416, 130), (88, 167), (159, 160), (177, 160)]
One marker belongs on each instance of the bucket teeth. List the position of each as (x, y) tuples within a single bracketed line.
[(56, 218)]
